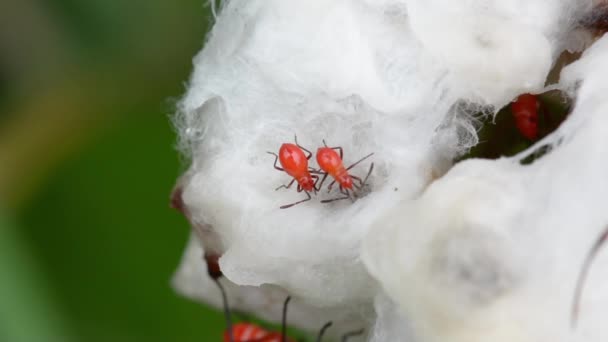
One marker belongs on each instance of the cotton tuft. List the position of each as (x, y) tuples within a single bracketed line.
[(448, 255), (499, 244)]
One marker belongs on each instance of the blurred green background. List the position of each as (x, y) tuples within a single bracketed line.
[(88, 242)]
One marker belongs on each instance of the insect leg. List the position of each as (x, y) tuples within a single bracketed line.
[(314, 186), (226, 309), (358, 161), (284, 320), (336, 199), (347, 193), (601, 240), (363, 182), (348, 335), (298, 202), (358, 180), (318, 188), (322, 332), (339, 148), (286, 186), (295, 137), (276, 158), (331, 185)]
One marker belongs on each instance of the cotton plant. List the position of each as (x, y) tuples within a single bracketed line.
[(428, 249)]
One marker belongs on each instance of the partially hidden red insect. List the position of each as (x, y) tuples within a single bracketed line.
[(295, 163), (525, 112), (597, 245), (332, 164), (249, 332)]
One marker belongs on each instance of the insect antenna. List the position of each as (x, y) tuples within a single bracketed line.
[(284, 320), (364, 181), (358, 161), (599, 243), (226, 309), (348, 335), (323, 329)]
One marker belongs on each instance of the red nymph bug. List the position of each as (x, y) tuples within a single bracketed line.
[(332, 164), (525, 112), (295, 163), (249, 332), (578, 292)]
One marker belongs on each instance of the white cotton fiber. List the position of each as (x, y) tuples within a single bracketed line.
[(401, 79), (270, 86), (493, 250), (192, 280)]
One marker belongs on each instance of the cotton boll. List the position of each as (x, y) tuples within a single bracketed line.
[(442, 257), (493, 50), (254, 87), (493, 250), (391, 324), (401, 80)]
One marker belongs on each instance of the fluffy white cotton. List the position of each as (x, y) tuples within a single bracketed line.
[(192, 280), (492, 251), (397, 78)]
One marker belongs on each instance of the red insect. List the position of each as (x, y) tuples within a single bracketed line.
[(249, 332), (295, 163), (525, 111), (331, 163), (597, 245)]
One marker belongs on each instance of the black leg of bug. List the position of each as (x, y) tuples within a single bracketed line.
[(286, 186), (371, 168), (362, 182), (314, 185), (318, 185), (226, 309), (322, 331), (284, 320), (331, 185), (298, 202), (349, 194), (276, 159), (295, 138), (348, 335), (359, 161), (337, 148), (343, 191), (599, 243), (359, 180)]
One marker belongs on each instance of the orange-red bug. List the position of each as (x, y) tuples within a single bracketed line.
[(295, 163), (525, 112), (249, 332), (332, 164)]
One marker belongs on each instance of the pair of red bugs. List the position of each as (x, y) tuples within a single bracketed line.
[(294, 161), (249, 332)]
